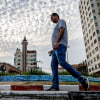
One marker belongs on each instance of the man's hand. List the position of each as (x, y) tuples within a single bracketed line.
[(56, 46), (50, 52)]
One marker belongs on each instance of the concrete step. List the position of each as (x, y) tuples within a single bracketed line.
[(44, 87), (49, 95), (34, 95)]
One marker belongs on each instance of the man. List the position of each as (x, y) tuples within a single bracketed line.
[(59, 44)]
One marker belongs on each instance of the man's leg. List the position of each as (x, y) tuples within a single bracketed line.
[(61, 56), (54, 66)]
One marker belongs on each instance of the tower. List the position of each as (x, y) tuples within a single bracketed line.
[(24, 53)]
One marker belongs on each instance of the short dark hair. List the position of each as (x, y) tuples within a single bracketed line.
[(55, 14)]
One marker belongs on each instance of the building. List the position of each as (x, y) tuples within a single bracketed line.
[(7, 68), (61, 69), (82, 68), (25, 60), (90, 20)]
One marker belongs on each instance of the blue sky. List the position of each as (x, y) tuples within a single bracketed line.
[(31, 18)]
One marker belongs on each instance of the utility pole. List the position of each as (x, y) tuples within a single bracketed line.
[(67, 54)]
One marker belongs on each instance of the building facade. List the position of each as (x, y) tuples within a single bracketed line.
[(25, 60), (90, 20)]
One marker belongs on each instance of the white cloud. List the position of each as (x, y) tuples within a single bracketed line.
[(32, 18)]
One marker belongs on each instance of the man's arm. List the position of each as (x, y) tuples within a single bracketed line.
[(60, 35), (59, 38)]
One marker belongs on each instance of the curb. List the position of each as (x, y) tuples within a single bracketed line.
[(68, 88)]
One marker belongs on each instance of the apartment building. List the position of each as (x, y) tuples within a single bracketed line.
[(90, 21)]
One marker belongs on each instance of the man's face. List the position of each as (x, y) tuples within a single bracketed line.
[(54, 19)]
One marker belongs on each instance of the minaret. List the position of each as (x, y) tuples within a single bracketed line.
[(24, 53)]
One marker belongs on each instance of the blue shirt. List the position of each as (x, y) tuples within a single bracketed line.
[(64, 40)]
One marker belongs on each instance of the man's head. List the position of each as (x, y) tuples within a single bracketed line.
[(54, 17)]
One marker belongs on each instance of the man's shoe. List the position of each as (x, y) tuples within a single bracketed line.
[(53, 89), (86, 84)]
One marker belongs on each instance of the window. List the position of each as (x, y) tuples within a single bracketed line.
[(14, 59), (86, 50), (82, 21), (96, 24), (97, 31), (84, 2), (18, 59), (82, 7), (87, 19), (89, 31), (83, 27), (87, 2), (95, 66), (84, 17), (92, 5), (18, 68), (90, 55), (89, 14), (81, 16), (34, 59), (92, 27), (92, 44), (94, 17), (34, 55), (91, 61), (87, 35), (94, 59), (85, 8), (88, 40), (31, 59), (87, 56), (93, 34), (88, 63), (83, 12), (93, 51), (91, 20), (89, 47), (88, 25), (91, 38), (98, 4), (18, 63), (88, 8), (92, 69), (27, 59), (95, 41), (96, 48), (34, 63), (99, 65), (80, 11), (85, 44), (99, 11), (93, 11), (84, 38), (99, 38), (19, 56), (89, 70), (97, 56)]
